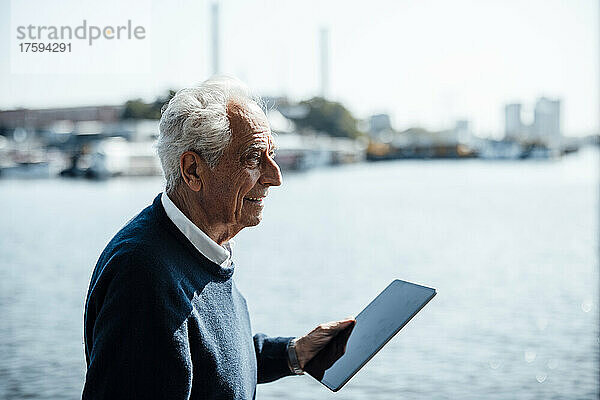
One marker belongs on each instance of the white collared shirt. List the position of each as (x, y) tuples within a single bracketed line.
[(220, 255)]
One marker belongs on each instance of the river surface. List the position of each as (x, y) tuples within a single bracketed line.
[(511, 248)]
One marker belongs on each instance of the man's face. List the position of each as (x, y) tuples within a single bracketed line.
[(235, 189)]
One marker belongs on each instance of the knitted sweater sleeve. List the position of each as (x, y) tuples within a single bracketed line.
[(271, 357), (139, 346)]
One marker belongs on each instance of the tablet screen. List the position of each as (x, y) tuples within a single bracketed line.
[(374, 327)]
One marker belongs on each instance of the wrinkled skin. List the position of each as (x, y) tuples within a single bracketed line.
[(218, 200), (309, 345), (223, 200)]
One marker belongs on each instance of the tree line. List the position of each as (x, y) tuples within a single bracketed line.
[(322, 116)]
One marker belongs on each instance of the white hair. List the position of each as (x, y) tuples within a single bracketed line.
[(195, 119)]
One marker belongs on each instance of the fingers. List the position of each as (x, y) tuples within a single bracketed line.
[(333, 327), (342, 324), (309, 345)]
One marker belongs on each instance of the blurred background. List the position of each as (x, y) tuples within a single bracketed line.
[(452, 144)]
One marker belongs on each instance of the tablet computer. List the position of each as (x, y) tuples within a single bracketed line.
[(375, 326)]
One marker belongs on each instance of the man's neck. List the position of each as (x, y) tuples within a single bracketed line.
[(191, 205)]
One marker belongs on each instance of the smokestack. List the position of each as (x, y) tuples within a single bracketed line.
[(324, 47), (214, 10)]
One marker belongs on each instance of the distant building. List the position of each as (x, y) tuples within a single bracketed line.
[(214, 12), (42, 119), (513, 127), (280, 123), (379, 123), (324, 58), (546, 124), (462, 131)]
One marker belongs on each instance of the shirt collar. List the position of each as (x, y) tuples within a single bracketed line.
[(220, 255)]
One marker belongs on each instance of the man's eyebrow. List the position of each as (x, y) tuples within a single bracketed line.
[(256, 146), (260, 146)]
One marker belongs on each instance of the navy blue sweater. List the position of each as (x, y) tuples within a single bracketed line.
[(164, 322)]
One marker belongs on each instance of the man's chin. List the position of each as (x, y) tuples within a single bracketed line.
[(252, 221)]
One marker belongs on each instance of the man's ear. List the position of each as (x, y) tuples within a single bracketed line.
[(192, 166)]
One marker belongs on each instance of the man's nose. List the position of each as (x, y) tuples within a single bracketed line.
[(271, 175)]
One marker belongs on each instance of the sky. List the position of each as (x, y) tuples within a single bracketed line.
[(425, 62)]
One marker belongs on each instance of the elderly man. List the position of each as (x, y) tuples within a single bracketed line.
[(163, 317)]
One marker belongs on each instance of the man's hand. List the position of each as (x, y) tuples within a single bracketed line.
[(310, 344)]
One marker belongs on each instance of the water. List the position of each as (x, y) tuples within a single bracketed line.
[(510, 246)]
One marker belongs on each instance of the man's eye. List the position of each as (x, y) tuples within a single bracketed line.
[(253, 157), (272, 153)]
